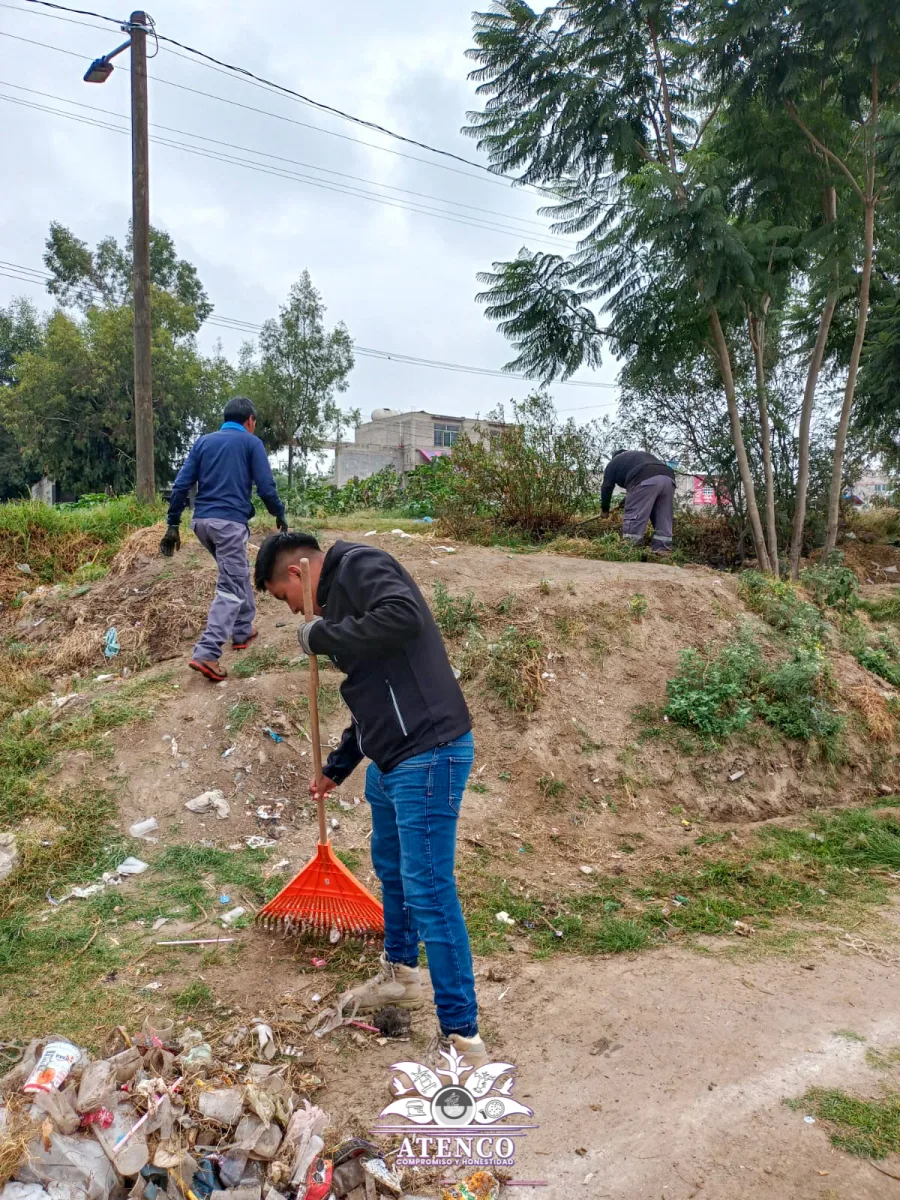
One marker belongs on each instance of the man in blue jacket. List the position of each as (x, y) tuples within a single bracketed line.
[(225, 465)]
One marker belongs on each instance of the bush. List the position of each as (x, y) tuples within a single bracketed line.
[(882, 660), (831, 584), (416, 494), (711, 694), (719, 694), (536, 474)]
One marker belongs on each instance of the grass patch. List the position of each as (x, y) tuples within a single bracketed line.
[(350, 858), (241, 713), (550, 788), (865, 1128), (807, 875), (513, 670), (455, 615), (478, 787), (255, 661), (781, 605), (195, 997), (638, 606), (609, 547), (885, 608), (883, 1060)]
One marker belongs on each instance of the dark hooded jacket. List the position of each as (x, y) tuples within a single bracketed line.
[(400, 688)]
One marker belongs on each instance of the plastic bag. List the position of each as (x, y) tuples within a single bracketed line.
[(73, 1160), (98, 1086), (59, 1107)]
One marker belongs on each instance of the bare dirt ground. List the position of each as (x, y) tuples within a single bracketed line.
[(658, 1075)]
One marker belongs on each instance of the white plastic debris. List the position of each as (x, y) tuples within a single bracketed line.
[(103, 678), (212, 801), (370, 533), (254, 842), (586, 870), (140, 829), (446, 549), (132, 866), (505, 919), (61, 701), (9, 854), (233, 914), (229, 751), (736, 775)]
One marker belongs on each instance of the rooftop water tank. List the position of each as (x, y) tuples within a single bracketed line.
[(382, 414)]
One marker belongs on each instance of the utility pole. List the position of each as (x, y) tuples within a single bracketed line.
[(98, 72), (140, 219)]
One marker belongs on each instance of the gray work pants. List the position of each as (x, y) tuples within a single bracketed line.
[(652, 501), (234, 607)]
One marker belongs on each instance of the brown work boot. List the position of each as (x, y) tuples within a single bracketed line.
[(209, 668), (394, 984), (472, 1050)]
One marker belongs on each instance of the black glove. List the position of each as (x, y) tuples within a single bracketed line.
[(281, 525), (171, 542)]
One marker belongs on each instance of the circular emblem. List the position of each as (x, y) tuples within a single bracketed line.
[(494, 1110), (452, 1106)]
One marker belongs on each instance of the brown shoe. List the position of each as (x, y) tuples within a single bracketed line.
[(254, 634), (210, 669)]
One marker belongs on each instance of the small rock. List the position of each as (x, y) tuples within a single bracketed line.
[(9, 854), (586, 870)]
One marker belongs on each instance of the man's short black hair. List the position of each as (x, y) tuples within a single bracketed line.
[(239, 409), (272, 549)]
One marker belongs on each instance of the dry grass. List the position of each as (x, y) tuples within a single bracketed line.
[(143, 543), (873, 706), (17, 1131)]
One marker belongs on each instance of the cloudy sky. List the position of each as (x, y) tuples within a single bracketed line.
[(402, 280)]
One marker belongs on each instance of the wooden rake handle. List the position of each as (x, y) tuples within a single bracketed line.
[(309, 613)]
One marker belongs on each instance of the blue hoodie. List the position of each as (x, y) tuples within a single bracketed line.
[(225, 465)]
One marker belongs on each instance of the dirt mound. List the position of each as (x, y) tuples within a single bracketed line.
[(154, 604)]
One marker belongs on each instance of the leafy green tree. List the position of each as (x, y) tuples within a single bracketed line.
[(605, 106), (20, 332), (296, 373), (70, 407), (834, 67)]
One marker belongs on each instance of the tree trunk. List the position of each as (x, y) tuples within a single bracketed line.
[(809, 395), (758, 341), (759, 541), (834, 498), (290, 465)]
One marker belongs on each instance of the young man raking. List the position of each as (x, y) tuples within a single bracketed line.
[(409, 717)]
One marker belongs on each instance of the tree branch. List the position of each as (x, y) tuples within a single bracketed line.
[(839, 162)]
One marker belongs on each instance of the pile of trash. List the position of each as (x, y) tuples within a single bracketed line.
[(160, 1117)]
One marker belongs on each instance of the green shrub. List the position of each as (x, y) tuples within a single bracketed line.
[(794, 699), (831, 584), (885, 608), (882, 660), (711, 693)]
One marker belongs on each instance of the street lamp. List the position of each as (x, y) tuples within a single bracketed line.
[(98, 72)]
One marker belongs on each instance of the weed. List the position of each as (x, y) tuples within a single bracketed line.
[(241, 713), (866, 1128), (638, 606), (710, 693), (195, 996), (476, 786), (848, 1035), (831, 584), (587, 744), (350, 858), (550, 788), (505, 776), (885, 608), (544, 587), (508, 605), (455, 615), (882, 1060), (882, 660), (255, 661), (567, 628), (514, 670), (609, 547), (779, 604)]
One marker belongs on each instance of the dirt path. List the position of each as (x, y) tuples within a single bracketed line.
[(663, 1075)]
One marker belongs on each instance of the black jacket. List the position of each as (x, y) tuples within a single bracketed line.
[(400, 688), (628, 469)]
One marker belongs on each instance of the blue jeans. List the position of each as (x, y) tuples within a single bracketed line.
[(415, 809)]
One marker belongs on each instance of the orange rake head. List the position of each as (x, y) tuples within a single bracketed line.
[(323, 897)]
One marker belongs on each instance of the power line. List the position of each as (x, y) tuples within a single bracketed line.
[(489, 179), (284, 173), (278, 87), (281, 158), (40, 277)]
